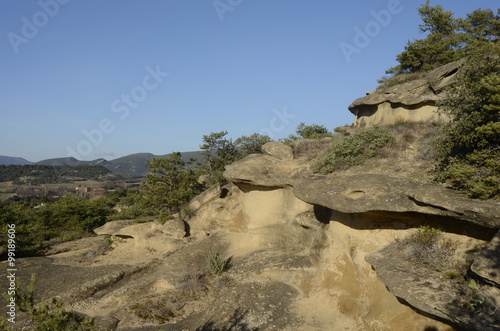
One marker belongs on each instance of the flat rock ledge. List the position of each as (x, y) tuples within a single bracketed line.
[(428, 291), (435, 295), (362, 193)]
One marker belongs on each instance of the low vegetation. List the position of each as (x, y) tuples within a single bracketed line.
[(42, 222), (216, 264), (353, 150), (468, 152), (313, 131), (46, 316), (427, 248)]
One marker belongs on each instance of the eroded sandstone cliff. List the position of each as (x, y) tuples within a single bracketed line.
[(304, 251), (412, 101)]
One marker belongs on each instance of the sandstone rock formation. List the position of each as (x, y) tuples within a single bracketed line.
[(362, 193), (305, 252), (375, 201), (487, 263), (278, 150), (413, 101)]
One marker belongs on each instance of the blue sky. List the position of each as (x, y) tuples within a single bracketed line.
[(110, 78)]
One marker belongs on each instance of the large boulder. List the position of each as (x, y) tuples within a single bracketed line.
[(113, 227), (412, 101), (265, 170), (278, 150)]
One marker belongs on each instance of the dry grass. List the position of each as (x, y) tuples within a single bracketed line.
[(409, 155), (311, 148), (428, 248)]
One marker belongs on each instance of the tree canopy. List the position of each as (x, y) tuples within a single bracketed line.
[(468, 151), (448, 38), (469, 148), (169, 184)]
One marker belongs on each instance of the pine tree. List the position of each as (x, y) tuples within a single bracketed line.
[(441, 46), (169, 184), (218, 152), (469, 150)]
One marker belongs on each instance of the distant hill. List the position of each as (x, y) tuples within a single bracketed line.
[(67, 161), (36, 174), (130, 166), (9, 160), (135, 165)]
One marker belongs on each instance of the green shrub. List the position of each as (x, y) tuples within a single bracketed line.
[(303, 131), (216, 264), (478, 178), (468, 151), (353, 150), (164, 218)]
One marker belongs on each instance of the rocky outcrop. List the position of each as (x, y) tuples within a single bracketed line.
[(266, 171), (278, 150), (362, 193), (302, 251), (175, 228), (377, 201), (412, 101), (434, 294), (487, 264)]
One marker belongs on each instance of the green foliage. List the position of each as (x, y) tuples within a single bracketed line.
[(313, 131), (448, 39), (38, 225), (441, 46), (218, 152), (353, 150), (169, 184), (49, 317), (468, 151), (251, 144), (425, 236), (216, 264)]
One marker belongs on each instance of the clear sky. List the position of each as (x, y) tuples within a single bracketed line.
[(110, 78)]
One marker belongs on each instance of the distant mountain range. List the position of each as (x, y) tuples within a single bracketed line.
[(9, 160), (130, 166)]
